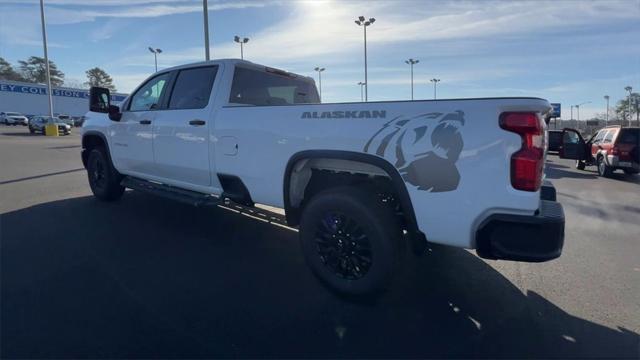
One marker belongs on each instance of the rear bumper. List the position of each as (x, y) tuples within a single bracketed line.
[(533, 238), (615, 161)]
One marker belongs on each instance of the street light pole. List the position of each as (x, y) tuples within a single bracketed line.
[(435, 82), (411, 62), (606, 116), (364, 23), (571, 112), (629, 88), (578, 109), (155, 55), (241, 41), (205, 12), (320, 70), (361, 91), (46, 58)]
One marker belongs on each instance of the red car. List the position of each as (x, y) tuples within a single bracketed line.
[(611, 148)]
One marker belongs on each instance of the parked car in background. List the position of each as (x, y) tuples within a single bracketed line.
[(38, 123), (65, 119), (13, 118), (78, 120), (555, 140), (611, 148)]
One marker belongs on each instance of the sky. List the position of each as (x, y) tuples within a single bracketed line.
[(570, 52)]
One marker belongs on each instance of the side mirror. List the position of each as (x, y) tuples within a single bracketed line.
[(99, 99), (114, 113)]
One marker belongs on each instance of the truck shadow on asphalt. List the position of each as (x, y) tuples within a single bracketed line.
[(147, 277)]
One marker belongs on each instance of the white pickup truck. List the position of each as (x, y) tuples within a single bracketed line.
[(361, 181)]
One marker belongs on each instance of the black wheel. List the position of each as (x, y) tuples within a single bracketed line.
[(32, 130), (580, 165), (104, 180), (631, 171), (603, 169), (351, 240)]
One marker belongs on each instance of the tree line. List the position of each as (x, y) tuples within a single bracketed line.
[(34, 70)]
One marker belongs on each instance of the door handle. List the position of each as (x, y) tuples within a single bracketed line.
[(145, 122), (197, 122)]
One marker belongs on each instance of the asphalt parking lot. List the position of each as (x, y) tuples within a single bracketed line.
[(147, 277)]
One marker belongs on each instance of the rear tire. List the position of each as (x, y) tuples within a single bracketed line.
[(104, 180), (580, 165), (351, 240), (32, 130), (603, 169)]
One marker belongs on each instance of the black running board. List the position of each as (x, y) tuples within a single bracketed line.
[(200, 199), (171, 192)]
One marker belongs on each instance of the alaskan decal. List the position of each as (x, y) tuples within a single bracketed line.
[(424, 148), (364, 114)]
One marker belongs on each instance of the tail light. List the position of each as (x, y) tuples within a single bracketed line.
[(526, 163), (615, 151)]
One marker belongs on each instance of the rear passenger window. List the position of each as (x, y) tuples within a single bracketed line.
[(600, 135), (609, 136), (193, 88), (254, 87)]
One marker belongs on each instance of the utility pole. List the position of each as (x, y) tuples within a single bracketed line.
[(241, 41), (364, 23), (411, 62), (319, 70), (435, 82), (606, 116), (205, 11)]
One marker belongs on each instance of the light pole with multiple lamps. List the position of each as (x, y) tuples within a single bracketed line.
[(606, 116), (46, 59), (364, 23), (412, 62), (155, 55), (361, 91), (578, 109), (629, 88), (319, 70), (435, 82), (241, 41)]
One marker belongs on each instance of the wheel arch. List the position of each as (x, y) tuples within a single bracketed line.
[(293, 213), (90, 140)]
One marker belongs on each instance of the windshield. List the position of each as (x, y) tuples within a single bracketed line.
[(13, 114)]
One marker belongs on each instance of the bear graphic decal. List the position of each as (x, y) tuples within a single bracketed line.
[(424, 148)]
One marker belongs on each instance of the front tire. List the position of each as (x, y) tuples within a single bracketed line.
[(104, 180), (603, 169), (580, 165), (351, 240)]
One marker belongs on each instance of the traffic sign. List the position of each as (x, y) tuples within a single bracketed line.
[(555, 113)]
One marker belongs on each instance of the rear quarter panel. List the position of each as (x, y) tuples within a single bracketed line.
[(269, 136)]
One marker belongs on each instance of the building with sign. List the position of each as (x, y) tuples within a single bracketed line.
[(31, 99)]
